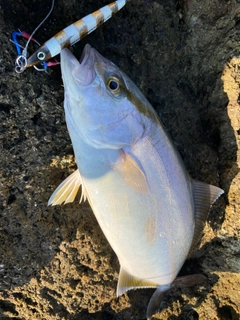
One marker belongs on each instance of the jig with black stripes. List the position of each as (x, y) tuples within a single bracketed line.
[(69, 36)]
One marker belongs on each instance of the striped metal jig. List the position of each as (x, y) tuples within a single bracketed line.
[(73, 33)]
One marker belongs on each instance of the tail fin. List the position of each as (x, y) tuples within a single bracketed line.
[(180, 282)]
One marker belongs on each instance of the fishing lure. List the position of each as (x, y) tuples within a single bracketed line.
[(70, 35), (20, 52)]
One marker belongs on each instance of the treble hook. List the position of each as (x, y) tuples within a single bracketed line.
[(21, 61)]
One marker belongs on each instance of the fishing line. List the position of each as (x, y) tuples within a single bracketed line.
[(21, 61), (68, 36)]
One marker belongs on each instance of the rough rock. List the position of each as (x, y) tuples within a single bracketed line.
[(55, 263)]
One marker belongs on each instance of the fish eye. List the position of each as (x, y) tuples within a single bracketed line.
[(113, 84)]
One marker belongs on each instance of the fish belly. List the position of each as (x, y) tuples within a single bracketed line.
[(151, 233)]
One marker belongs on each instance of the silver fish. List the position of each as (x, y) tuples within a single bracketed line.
[(150, 210)]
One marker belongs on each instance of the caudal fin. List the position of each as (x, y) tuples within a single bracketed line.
[(180, 282)]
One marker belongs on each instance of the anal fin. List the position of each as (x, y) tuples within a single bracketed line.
[(126, 282), (66, 192)]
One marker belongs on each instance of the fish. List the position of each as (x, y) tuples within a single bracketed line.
[(73, 33), (150, 210)]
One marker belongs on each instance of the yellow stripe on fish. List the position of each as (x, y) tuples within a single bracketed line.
[(149, 209), (74, 33)]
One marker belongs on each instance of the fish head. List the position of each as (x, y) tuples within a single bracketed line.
[(102, 104)]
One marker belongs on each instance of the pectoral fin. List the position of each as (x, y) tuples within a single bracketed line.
[(204, 196), (132, 174), (126, 282), (67, 190)]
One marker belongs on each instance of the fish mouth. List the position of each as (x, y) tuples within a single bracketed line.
[(85, 73), (87, 55), (82, 71)]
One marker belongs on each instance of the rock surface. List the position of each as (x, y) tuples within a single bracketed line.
[(54, 261)]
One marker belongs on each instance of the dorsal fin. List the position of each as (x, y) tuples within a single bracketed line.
[(204, 196), (126, 282), (67, 190)]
